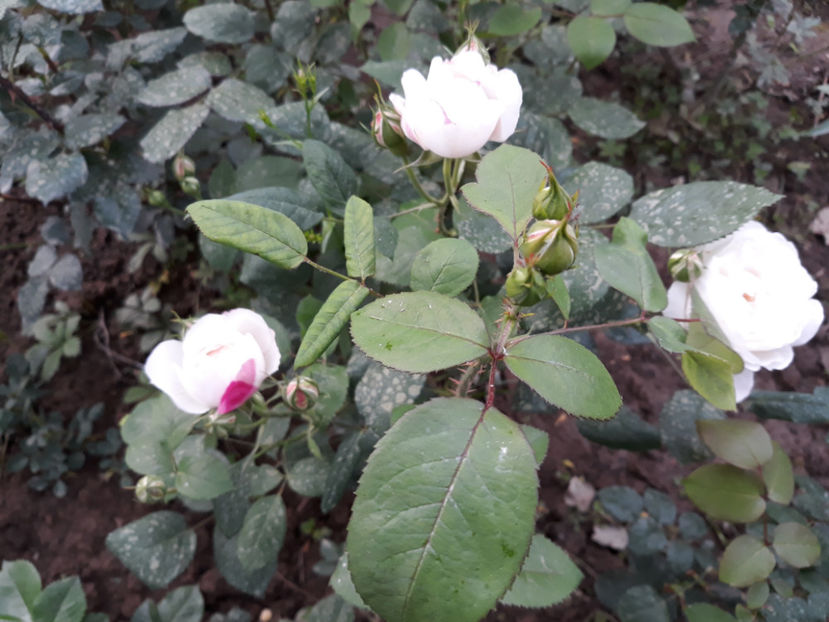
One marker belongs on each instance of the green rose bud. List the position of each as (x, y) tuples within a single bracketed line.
[(525, 286), (301, 393), (150, 489), (305, 78), (685, 265), (550, 246), (191, 186), (156, 198), (386, 130)]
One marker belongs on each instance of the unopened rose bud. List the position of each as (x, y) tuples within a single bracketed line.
[(191, 186), (550, 246), (156, 198), (386, 130), (150, 489), (305, 79), (525, 286), (685, 265), (301, 393), (474, 44), (551, 202), (183, 166)]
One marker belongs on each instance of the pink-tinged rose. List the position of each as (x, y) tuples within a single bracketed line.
[(219, 363), (761, 296), (459, 106)]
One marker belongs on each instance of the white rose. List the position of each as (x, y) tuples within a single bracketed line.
[(461, 105), (759, 294), (219, 363)]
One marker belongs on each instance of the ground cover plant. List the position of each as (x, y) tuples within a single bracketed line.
[(368, 275)]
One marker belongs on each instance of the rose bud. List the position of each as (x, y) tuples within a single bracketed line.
[(183, 166), (550, 246), (525, 286), (150, 489), (219, 364), (301, 393), (386, 130), (685, 265)]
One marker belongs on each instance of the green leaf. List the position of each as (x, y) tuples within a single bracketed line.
[(282, 200), (641, 603), (90, 129), (221, 23), (225, 554), (308, 476), (252, 229), (394, 42), (621, 502), (746, 560), (171, 133), (329, 321), (433, 544), (603, 191), (539, 440), (19, 588), (184, 604), (608, 8), (656, 24), (565, 374), (152, 431), (626, 430), (757, 595), (557, 290), (480, 230), (73, 7), (796, 544), (660, 506), (330, 175), (547, 577), (725, 492), (626, 264), (419, 331), (778, 476), (794, 407), (259, 173), (201, 473), (711, 377), (175, 87), (156, 548), (511, 19), (47, 180), (61, 601), (745, 444), (704, 612), (263, 532), (358, 235), (341, 474), (604, 119), (544, 135), (699, 212), (592, 40), (507, 181), (446, 266), (235, 100), (342, 584)]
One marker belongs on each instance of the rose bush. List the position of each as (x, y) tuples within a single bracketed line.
[(220, 362), (754, 285), (462, 104)]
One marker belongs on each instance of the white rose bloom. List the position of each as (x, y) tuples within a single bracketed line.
[(220, 362), (462, 104), (761, 296)]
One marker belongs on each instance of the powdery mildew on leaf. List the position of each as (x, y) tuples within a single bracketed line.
[(605, 119), (56, 177), (603, 191), (172, 132), (698, 212), (235, 100), (175, 87), (381, 390), (156, 548)]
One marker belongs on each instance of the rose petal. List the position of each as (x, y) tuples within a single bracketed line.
[(743, 384), (247, 321), (163, 368), (240, 390)]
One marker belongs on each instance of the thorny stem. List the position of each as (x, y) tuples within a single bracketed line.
[(467, 378), (16, 91)]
